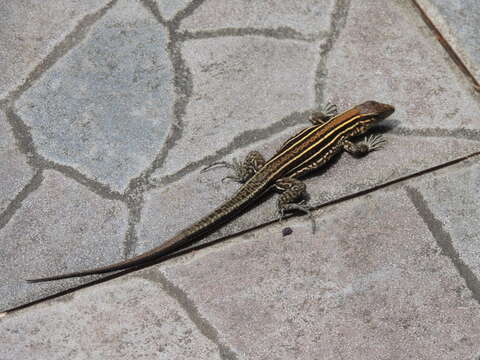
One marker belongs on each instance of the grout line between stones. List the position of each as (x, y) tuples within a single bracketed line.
[(151, 6), (446, 45), (16, 203), (182, 83), (240, 141), (193, 313), (444, 241), (338, 21), (280, 33), (25, 145), (185, 12)]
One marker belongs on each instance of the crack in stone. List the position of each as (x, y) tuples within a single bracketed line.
[(25, 145), (188, 305), (134, 206), (185, 12), (183, 84), (444, 241), (60, 49), (16, 203), (151, 6), (280, 33), (240, 141), (339, 19)]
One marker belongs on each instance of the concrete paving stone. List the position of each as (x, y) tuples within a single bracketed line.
[(458, 23), (240, 84), (308, 17), (370, 284), (122, 319), (29, 31), (390, 55), (59, 227), (453, 200), (173, 207), (14, 170), (169, 9), (105, 108)]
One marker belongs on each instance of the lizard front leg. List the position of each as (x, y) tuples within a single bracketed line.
[(292, 190), (328, 111), (370, 143), (242, 171)]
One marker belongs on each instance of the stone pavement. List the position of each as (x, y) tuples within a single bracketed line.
[(110, 109)]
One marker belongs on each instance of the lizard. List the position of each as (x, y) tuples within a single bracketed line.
[(309, 149)]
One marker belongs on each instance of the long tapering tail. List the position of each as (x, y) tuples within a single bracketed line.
[(179, 241)]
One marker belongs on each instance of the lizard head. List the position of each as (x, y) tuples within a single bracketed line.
[(374, 110), (370, 113)]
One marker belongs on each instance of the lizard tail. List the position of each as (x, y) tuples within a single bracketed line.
[(167, 248), (177, 242)]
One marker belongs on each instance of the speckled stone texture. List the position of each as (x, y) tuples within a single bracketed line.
[(61, 227), (108, 112)]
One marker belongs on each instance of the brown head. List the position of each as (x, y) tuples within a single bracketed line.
[(370, 113), (375, 109)]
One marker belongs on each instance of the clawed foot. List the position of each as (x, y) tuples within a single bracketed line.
[(301, 206), (240, 173), (373, 142), (327, 111), (330, 109)]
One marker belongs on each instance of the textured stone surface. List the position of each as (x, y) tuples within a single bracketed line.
[(401, 64), (369, 284), (458, 22), (308, 17), (391, 275), (452, 200), (132, 319), (61, 226), (29, 31), (105, 107), (14, 171), (168, 9), (240, 84)]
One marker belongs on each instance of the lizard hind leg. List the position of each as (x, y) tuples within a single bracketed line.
[(242, 171), (292, 190)]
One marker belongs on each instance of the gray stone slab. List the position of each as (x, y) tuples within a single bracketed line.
[(105, 108), (134, 319), (308, 17), (171, 208), (14, 170), (390, 55), (240, 84), (30, 30), (169, 9), (458, 22), (59, 227), (450, 203), (370, 284)]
